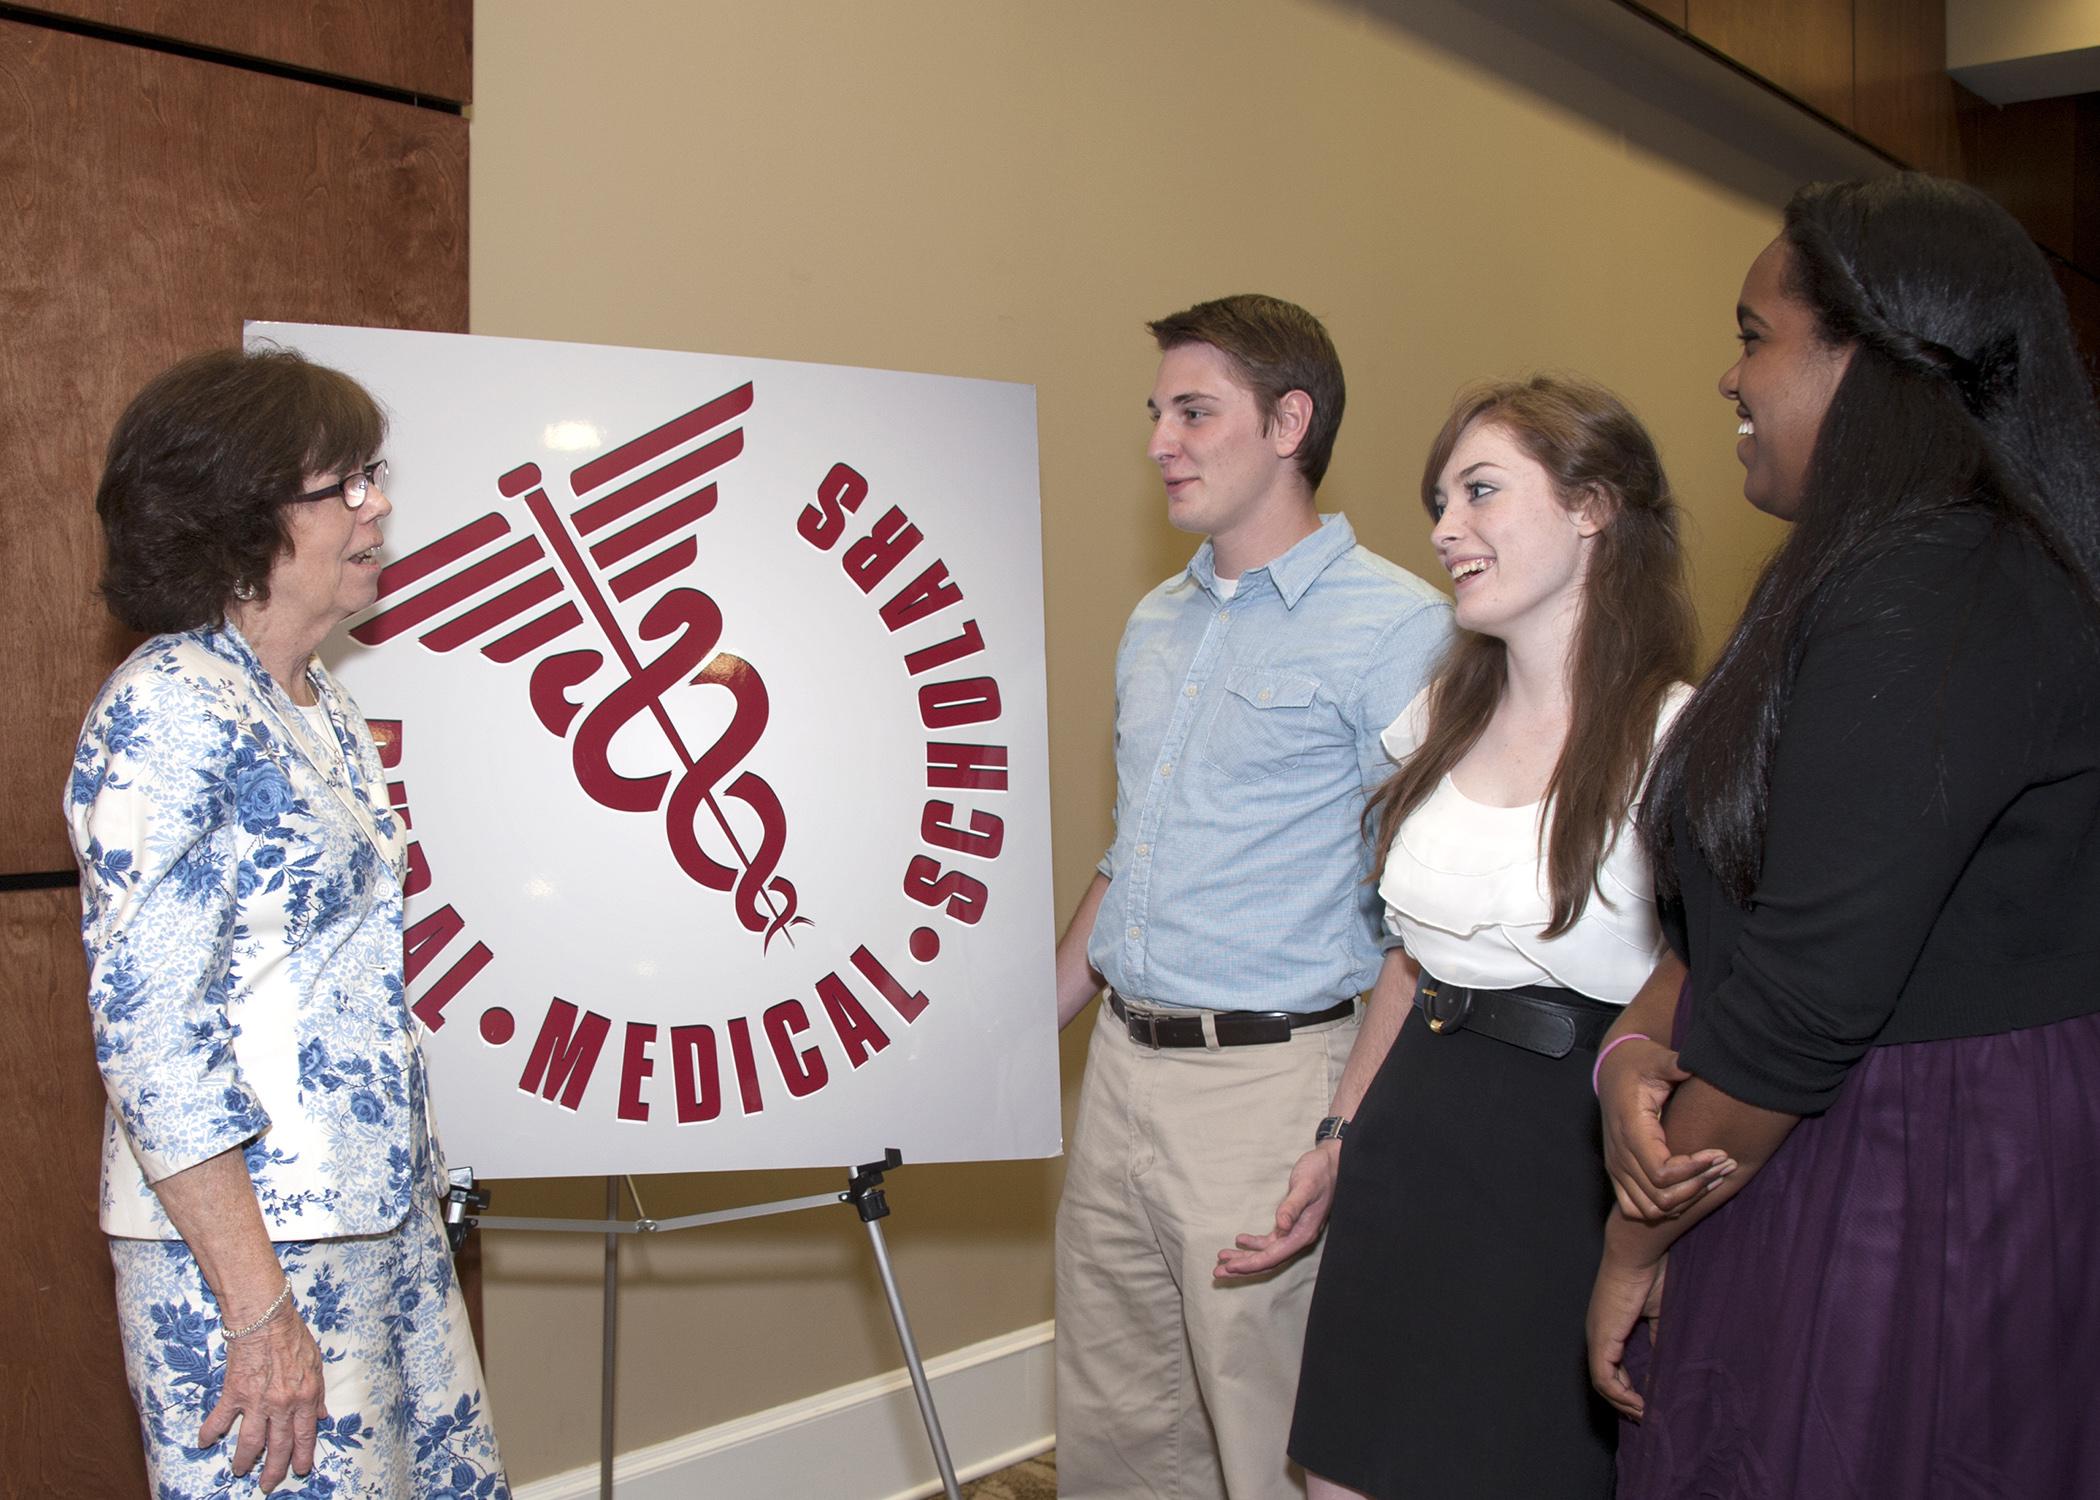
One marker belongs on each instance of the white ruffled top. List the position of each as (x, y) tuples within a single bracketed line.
[(1465, 890)]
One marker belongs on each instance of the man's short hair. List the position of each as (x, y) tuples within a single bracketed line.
[(1275, 346)]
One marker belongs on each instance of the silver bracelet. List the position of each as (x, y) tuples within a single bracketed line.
[(268, 1313)]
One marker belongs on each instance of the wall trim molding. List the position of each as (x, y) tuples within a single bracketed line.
[(862, 1441)]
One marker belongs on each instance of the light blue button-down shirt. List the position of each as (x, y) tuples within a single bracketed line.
[(1246, 745)]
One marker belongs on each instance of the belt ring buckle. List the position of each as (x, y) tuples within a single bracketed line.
[(1441, 1022), (1151, 1023)]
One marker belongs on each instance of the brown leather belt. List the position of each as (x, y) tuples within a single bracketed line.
[(1233, 1028)]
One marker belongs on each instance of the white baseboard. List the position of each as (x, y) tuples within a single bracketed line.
[(864, 1441)]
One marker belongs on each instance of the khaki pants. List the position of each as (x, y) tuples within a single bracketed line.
[(1169, 1383)]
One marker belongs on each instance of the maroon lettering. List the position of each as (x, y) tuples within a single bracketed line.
[(746, 1065), (927, 884), (966, 642), (979, 768), (868, 561), (430, 1009), (635, 1067), (907, 1003), (695, 1075), (983, 838), (804, 1071), (418, 880), (427, 939), (424, 942), (850, 1022), (966, 700), (564, 1054), (824, 523), (928, 594)]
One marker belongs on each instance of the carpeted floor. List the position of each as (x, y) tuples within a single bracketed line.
[(1034, 1480)]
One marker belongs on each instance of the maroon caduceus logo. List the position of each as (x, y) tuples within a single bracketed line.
[(628, 530)]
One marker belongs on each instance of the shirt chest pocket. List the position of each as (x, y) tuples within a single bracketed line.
[(1262, 724)]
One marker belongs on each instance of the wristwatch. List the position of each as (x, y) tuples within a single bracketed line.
[(1330, 1129)]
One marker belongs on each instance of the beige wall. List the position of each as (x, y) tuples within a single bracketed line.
[(1007, 189), (1988, 31)]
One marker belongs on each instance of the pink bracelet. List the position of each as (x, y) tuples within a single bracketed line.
[(1597, 1070)]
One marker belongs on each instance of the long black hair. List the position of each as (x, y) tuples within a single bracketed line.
[(1964, 391)]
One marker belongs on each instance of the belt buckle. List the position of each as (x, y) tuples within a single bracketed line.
[(1150, 1021), (1440, 1022)]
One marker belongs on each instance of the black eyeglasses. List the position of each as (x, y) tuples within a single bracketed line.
[(354, 487)]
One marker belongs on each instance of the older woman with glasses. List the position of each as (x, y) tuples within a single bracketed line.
[(284, 1288)]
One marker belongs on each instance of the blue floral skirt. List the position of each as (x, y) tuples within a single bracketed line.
[(406, 1411)]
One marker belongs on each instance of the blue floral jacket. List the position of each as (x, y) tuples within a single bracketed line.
[(241, 888)]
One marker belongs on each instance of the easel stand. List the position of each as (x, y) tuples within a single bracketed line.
[(863, 1191)]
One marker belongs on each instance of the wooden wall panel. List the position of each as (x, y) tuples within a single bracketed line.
[(2085, 206), (423, 46), (1902, 99), (2025, 156), (2082, 302), (153, 202), (67, 1426), (1803, 46)]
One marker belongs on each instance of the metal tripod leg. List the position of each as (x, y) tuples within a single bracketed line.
[(607, 1376), (912, 1363), (864, 1192)]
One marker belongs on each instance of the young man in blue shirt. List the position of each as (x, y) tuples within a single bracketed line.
[(1232, 924)]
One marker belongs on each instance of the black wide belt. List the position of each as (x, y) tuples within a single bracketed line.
[(1233, 1028), (1550, 1022)]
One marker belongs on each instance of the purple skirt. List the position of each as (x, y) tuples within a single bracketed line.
[(1905, 1302)]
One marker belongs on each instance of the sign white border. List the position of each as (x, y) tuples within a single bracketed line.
[(853, 560)]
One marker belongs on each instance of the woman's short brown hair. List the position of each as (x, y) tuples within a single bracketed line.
[(200, 466)]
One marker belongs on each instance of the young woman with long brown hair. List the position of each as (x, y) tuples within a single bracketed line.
[(1444, 1354)]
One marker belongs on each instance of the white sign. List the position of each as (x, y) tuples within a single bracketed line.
[(712, 690)]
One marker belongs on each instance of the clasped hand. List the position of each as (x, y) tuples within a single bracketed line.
[(1633, 1084)]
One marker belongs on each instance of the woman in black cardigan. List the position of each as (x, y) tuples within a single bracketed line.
[(1880, 818)]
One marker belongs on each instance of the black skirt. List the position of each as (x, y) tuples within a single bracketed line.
[(1444, 1356)]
